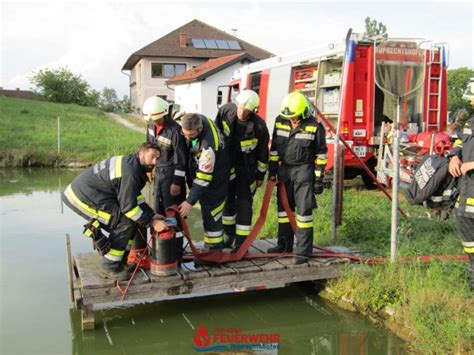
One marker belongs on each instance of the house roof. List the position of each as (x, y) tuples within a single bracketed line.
[(169, 45), (21, 94), (209, 68)]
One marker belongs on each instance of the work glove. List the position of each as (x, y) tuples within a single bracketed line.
[(318, 185), (272, 171), (101, 243)]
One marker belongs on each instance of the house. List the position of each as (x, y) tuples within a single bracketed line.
[(20, 94), (196, 89), (175, 53)]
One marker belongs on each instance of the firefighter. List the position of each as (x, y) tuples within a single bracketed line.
[(298, 158), (462, 165), (246, 141), (209, 172), (108, 196), (169, 180)]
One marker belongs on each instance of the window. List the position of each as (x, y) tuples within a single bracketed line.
[(164, 70), (255, 82)]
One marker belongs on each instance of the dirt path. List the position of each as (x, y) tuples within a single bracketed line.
[(124, 122)]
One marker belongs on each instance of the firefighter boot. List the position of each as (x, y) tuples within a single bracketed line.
[(299, 259), (239, 240), (284, 245), (214, 246), (113, 270), (230, 241)]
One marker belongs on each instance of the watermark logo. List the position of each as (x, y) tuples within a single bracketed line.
[(202, 338), (234, 339)]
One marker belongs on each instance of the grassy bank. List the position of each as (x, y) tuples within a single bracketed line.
[(431, 301), (29, 134)]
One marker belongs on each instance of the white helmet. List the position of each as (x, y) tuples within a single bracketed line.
[(249, 99), (155, 108)]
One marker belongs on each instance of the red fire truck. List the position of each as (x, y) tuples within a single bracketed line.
[(358, 108)]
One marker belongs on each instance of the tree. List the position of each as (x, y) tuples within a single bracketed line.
[(109, 101), (375, 28), (61, 85), (92, 98), (125, 105), (460, 108), (457, 83)]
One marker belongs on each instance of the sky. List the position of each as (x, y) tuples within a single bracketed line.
[(95, 38)]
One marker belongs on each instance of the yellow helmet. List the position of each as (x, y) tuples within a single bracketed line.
[(295, 104)]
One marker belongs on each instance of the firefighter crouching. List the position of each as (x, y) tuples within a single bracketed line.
[(169, 180), (108, 196), (246, 142), (462, 165), (209, 172), (297, 157)]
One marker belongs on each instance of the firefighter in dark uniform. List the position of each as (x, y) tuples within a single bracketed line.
[(298, 156), (169, 180), (108, 196), (209, 172), (462, 165), (246, 140)]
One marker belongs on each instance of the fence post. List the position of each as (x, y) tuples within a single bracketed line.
[(59, 137)]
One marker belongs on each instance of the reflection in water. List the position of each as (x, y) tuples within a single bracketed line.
[(305, 324), (34, 300)]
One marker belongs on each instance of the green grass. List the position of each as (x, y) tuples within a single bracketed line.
[(432, 300), (366, 224), (29, 134)]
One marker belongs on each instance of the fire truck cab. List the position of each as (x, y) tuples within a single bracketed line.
[(355, 106)]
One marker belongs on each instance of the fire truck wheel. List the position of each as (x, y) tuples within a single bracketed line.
[(368, 182)]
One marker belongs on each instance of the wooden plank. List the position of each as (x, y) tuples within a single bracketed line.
[(69, 268), (90, 274), (189, 272), (220, 270), (288, 263), (263, 245), (88, 266), (269, 264), (161, 279), (232, 282), (244, 266)]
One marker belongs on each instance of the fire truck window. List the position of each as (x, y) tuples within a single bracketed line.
[(255, 82), (233, 93)]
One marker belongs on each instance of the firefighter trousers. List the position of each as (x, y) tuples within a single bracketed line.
[(298, 181), (162, 199), (212, 208), (465, 226), (121, 229), (237, 217)]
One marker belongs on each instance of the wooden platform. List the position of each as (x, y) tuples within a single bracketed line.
[(89, 288)]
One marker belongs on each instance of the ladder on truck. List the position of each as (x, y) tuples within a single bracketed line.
[(436, 63)]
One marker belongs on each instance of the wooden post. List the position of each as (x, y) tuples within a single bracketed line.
[(69, 268), (87, 317)]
